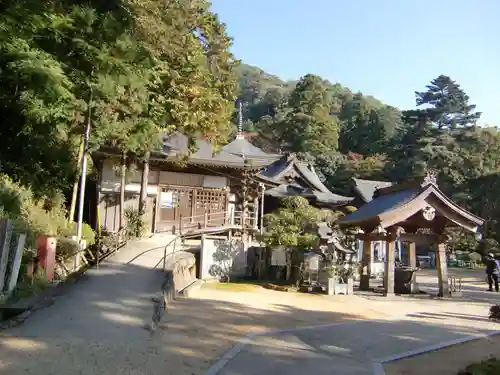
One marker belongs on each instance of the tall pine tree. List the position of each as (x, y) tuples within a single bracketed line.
[(448, 105)]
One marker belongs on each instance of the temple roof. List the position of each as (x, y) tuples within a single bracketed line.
[(292, 190), (291, 177), (401, 204), (236, 154), (289, 168), (242, 147), (366, 188)]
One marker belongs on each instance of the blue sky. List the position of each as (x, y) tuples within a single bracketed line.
[(384, 48)]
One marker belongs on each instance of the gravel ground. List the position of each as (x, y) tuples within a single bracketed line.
[(448, 361), (98, 327)]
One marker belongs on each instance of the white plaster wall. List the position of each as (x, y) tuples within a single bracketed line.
[(110, 180), (209, 247), (207, 251)]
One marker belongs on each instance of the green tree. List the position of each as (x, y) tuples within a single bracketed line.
[(293, 227), (448, 104), (132, 68), (309, 126)]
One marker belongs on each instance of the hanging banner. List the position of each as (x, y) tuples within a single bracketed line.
[(166, 199)]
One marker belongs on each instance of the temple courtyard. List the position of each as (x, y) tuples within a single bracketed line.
[(98, 327)]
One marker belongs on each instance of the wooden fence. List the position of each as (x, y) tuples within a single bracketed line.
[(11, 253)]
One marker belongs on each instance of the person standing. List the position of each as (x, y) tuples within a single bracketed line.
[(492, 271)]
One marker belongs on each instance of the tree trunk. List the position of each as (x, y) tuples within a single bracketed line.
[(74, 195), (123, 176), (288, 264), (144, 186)]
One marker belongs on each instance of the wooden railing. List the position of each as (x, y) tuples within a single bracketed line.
[(216, 219)]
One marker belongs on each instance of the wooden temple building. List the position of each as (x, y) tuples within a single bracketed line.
[(230, 188), (413, 212)]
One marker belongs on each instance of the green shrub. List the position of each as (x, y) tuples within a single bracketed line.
[(31, 215), (135, 226), (488, 367), (88, 234), (66, 248)]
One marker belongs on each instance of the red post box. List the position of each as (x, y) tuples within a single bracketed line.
[(46, 251)]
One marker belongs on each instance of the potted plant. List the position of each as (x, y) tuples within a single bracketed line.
[(333, 279)]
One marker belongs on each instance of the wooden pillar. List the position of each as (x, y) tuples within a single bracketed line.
[(194, 201), (263, 190), (442, 269), (390, 257), (123, 181), (227, 215), (244, 194), (255, 212), (412, 258), (366, 265), (143, 195)]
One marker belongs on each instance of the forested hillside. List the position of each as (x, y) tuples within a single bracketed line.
[(133, 68), (346, 134)]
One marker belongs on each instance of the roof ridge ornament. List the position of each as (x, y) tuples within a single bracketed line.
[(430, 177), (291, 156), (240, 135)]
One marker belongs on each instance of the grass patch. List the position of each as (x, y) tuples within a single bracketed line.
[(232, 286), (488, 367)]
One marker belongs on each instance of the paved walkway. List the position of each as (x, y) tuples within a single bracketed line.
[(349, 348), (98, 326)]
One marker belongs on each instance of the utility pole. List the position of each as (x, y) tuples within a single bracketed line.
[(83, 176)]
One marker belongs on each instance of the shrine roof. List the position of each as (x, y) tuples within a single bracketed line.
[(397, 203), (367, 188)]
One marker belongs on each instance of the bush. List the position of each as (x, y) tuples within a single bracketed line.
[(88, 234), (495, 313), (135, 226), (38, 216), (66, 248), (488, 367), (31, 215)]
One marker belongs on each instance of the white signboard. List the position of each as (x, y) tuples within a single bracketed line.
[(166, 199), (278, 258)]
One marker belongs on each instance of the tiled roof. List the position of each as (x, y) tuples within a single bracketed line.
[(238, 153), (366, 188), (381, 205), (306, 182), (388, 207), (291, 190), (241, 147)]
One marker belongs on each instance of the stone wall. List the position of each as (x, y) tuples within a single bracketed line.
[(180, 272), (181, 268)]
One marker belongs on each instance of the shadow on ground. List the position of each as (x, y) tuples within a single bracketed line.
[(346, 349), (98, 327)]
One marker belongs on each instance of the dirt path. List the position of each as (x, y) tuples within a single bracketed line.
[(448, 361)]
